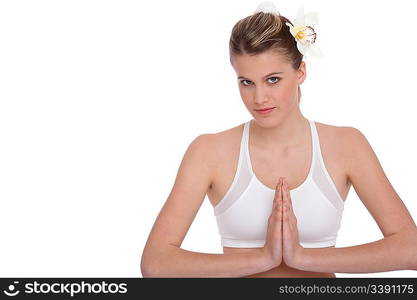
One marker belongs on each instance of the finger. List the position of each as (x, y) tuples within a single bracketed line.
[(285, 195), (285, 215), (277, 188), (290, 218), (278, 194), (279, 201), (288, 201), (275, 202)]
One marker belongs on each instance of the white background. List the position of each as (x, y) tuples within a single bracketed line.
[(100, 99)]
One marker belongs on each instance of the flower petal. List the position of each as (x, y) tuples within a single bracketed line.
[(299, 19), (267, 6), (315, 51), (292, 29), (289, 25), (312, 18), (301, 48)]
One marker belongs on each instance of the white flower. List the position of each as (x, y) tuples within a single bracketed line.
[(304, 33), (267, 7)]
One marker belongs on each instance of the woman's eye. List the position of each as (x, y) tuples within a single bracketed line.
[(277, 79)]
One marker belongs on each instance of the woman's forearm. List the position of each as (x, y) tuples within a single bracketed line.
[(177, 262), (394, 252)]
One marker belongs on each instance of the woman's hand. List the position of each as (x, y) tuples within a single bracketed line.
[(292, 250), (273, 243)]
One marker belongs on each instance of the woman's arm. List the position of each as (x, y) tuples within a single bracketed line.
[(162, 255), (172, 261), (395, 252), (398, 249)]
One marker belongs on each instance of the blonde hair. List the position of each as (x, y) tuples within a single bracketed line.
[(262, 32)]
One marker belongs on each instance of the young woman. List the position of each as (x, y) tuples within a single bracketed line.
[(271, 227)]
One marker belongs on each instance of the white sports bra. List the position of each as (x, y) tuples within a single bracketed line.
[(242, 214)]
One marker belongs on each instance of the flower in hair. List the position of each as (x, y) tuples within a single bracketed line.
[(304, 33), (267, 7)]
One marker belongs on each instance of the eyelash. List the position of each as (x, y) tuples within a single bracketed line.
[(279, 79)]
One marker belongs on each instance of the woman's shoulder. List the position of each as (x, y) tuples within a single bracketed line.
[(229, 133), (336, 131), (221, 144), (342, 137)]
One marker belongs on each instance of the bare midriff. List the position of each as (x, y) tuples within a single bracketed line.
[(282, 270)]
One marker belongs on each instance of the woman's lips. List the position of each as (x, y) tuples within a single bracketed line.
[(264, 111)]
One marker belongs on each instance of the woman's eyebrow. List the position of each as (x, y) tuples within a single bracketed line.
[(264, 76)]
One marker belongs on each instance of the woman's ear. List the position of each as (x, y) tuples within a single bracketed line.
[(301, 72)]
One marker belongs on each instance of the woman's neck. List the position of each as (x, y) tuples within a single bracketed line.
[(290, 132)]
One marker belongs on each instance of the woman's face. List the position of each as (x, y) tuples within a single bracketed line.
[(268, 80)]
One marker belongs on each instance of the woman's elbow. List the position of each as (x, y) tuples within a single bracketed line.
[(148, 266), (145, 269), (411, 238), (414, 255)]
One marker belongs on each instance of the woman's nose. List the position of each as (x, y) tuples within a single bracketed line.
[(260, 96)]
